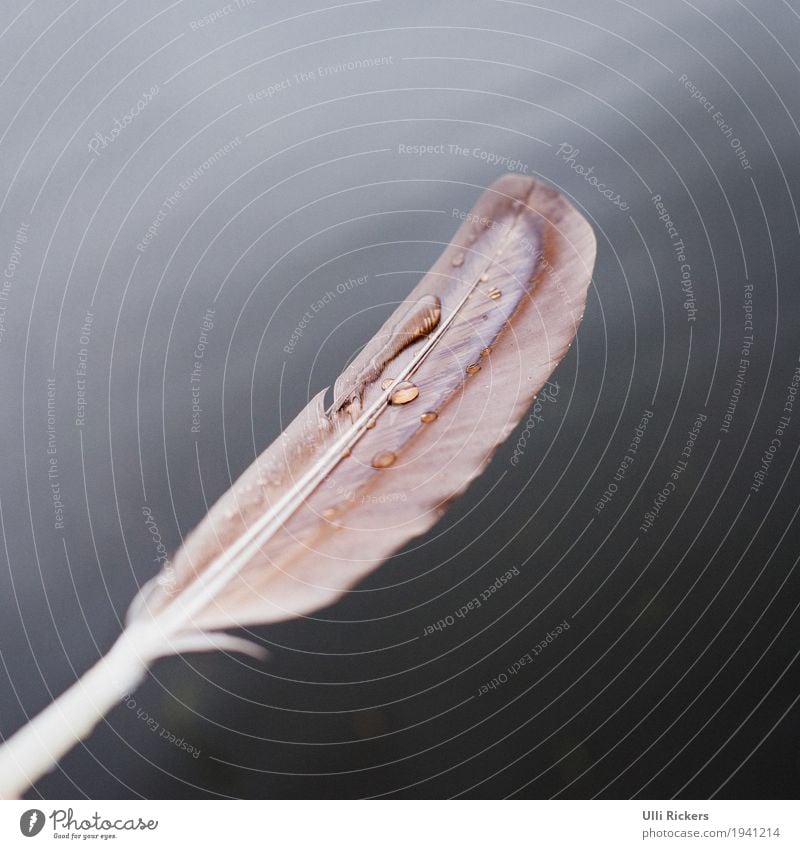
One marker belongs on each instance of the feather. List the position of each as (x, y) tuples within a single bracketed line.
[(414, 419)]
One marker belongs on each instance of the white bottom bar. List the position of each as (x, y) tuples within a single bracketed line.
[(403, 824)]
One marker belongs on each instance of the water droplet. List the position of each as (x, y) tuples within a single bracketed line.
[(404, 392), (428, 417), (383, 459), (457, 261), (346, 453), (328, 513), (385, 384), (484, 278), (474, 368), (371, 424), (486, 351), (494, 293)]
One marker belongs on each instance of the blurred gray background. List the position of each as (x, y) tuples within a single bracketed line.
[(181, 174)]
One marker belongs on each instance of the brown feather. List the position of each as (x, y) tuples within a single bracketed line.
[(335, 495)]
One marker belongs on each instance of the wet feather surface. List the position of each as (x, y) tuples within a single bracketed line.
[(415, 417)]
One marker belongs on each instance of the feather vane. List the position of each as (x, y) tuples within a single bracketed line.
[(344, 487)]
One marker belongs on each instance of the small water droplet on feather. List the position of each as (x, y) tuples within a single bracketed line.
[(383, 459), (457, 261), (429, 416), (474, 368), (404, 392), (494, 293)]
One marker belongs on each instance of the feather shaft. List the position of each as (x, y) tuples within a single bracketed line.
[(225, 567), (38, 746)]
